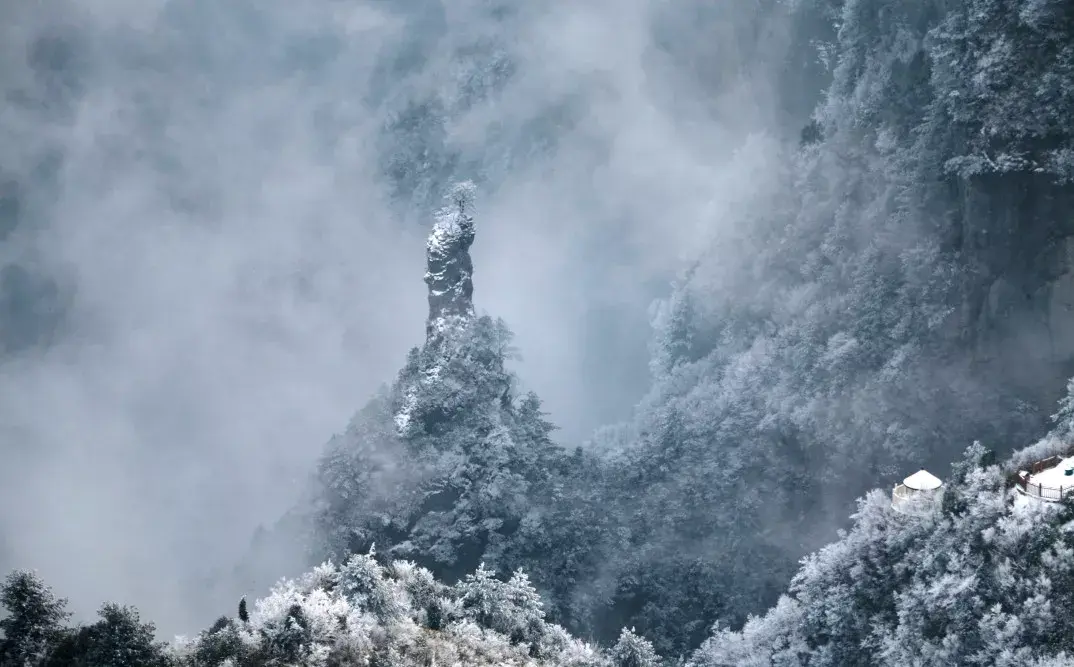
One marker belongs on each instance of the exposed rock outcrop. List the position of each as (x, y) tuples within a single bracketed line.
[(1017, 237), (449, 272)]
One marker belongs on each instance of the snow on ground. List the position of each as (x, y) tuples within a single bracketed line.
[(1055, 478)]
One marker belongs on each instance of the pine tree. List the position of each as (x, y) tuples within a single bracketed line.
[(676, 329), (34, 621), (118, 639), (633, 651)]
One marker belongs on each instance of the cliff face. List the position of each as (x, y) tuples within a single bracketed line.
[(1000, 78), (449, 272), (1016, 237)]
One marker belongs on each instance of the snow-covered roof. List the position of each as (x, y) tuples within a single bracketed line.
[(922, 480)]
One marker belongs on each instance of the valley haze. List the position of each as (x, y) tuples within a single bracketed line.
[(217, 272)]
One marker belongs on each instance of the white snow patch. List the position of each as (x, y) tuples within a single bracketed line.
[(1057, 477), (402, 418)]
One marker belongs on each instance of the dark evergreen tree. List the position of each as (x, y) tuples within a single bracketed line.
[(33, 622), (221, 642), (118, 639)]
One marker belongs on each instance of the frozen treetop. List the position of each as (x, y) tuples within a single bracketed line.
[(449, 272)]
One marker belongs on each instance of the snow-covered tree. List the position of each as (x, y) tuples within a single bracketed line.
[(675, 327), (1064, 416), (364, 613), (34, 617), (633, 651), (983, 583)]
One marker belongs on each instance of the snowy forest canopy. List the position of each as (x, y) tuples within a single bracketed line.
[(893, 289)]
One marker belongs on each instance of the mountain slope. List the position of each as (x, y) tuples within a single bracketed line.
[(452, 466), (985, 581), (894, 292)]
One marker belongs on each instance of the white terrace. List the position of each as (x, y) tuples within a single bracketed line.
[(1051, 479)]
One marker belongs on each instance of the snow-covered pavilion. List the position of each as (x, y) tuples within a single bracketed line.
[(920, 493)]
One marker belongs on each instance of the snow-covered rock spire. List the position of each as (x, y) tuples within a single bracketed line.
[(449, 272)]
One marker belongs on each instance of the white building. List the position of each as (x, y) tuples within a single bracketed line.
[(920, 493)]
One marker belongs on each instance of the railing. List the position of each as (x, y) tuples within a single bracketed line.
[(913, 501), (902, 493), (1043, 491)]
